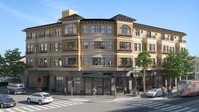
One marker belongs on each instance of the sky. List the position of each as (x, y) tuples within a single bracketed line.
[(178, 15)]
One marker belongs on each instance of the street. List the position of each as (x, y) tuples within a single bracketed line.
[(103, 103)]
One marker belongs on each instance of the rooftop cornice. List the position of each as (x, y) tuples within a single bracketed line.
[(157, 29)]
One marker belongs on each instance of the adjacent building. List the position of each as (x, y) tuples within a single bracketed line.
[(80, 53)]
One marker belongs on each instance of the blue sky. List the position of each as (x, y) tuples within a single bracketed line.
[(179, 15)]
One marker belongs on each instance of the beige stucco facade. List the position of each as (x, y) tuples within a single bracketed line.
[(95, 52)]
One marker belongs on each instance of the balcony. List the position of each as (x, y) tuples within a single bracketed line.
[(42, 66), (69, 49), (43, 51), (124, 50), (29, 37), (152, 51), (124, 65), (125, 35), (150, 36), (29, 52), (69, 35), (182, 41), (70, 66), (29, 66)]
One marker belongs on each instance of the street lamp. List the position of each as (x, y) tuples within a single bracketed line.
[(135, 81)]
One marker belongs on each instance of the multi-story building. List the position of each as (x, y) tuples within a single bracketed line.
[(196, 68), (101, 53)]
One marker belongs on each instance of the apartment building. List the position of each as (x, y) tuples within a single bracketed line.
[(80, 53)]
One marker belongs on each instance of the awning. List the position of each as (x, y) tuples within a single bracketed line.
[(97, 75), (131, 73)]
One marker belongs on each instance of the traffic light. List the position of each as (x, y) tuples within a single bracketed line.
[(73, 83)]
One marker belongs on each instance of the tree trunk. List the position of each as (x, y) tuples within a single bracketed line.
[(144, 85)]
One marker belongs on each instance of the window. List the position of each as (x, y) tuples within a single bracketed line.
[(162, 36), (33, 35), (57, 32), (154, 61), (109, 30), (30, 48), (139, 47), (85, 45), (125, 30), (47, 33), (29, 61), (97, 29), (148, 34), (70, 61), (43, 47), (57, 62), (125, 45), (135, 46), (98, 61), (171, 38), (125, 61), (151, 47), (84, 29), (70, 45), (57, 47), (109, 60), (137, 32), (109, 45), (86, 60), (197, 69), (97, 45), (70, 29), (43, 62)]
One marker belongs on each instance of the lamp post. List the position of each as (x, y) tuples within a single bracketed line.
[(135, 83)]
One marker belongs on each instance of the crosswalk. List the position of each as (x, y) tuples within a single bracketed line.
[(32, 108), (160, 106)]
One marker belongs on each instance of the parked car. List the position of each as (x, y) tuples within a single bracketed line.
[(40, 98), (156, 92), (6, 101), (16, 88)]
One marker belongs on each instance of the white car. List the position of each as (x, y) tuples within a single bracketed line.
[(155, 92), (40, 98)]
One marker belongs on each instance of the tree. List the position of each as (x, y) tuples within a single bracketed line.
[(178, 64), (2, 62), (144, 60), (13, 67)]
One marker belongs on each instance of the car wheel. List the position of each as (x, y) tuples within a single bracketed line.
[(2, 105), (28, 100), (40, 102)]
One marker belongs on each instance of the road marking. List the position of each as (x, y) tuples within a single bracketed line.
[(192, 110), (182, 109), (9, 110), (34, 107), (19, 110), (27, 108), (39, 106)]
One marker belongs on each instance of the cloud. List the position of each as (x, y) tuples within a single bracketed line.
[(28, 17)]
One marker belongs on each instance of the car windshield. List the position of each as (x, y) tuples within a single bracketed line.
[(46, 95), (153, 90), (7, 97)]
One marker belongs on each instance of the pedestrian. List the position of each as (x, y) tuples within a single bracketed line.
[(94, 91), (65, 91), (163, 90), (138, 89), (169, 91)]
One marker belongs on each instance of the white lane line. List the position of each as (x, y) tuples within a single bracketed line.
[(9, 110), (192, 110), (19, 110), (27, 109), (182, 109), (173, 108), (48, 106), (41, 106), (166, 105), (34, 107)]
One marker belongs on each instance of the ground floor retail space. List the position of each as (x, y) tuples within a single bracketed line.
[(106, 83)]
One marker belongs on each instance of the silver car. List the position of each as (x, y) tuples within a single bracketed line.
[(40, 98), (154, 92)]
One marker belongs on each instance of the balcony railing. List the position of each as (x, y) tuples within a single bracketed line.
[(126, 35), (69, 49), (68, 35), (182, 41), (43, 51), (152, 51), (124, 65), (70, 66), (29, 52), (124, 50), (151, 36), (42, 66), (29, 66)]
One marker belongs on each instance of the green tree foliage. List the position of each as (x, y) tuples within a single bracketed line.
[(178, 64), (144, 60), (2, 62), (12, 65)]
